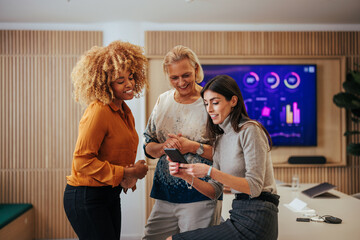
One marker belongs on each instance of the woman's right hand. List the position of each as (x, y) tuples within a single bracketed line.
[(140, 169), (175, 170)]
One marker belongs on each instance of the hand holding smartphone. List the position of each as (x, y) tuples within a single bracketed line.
[(175, 155)]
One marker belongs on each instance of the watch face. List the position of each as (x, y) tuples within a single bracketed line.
[(200, 150)]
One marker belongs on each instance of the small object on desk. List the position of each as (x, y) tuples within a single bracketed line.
[(310, 214), (303, 219), (317, 219), (296, 205), (332, 219), (295, 182), (299, 206), (285, 185), (320, 190)]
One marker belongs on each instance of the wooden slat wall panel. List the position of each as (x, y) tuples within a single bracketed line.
[(39, 121), (237, 44), (157, 43)]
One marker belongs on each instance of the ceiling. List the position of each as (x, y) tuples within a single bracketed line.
[(182, 11)]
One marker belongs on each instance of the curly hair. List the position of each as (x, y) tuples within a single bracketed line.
[(100, 66)]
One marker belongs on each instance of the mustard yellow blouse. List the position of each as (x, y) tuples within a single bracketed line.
[(107, 142)]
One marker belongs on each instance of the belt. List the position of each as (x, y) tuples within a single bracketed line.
[(264, 196)]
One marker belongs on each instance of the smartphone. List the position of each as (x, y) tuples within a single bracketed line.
[(175, 155)]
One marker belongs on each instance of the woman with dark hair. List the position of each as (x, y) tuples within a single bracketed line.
[(242, 161)]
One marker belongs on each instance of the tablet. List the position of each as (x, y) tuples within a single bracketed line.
[(175, 155), (320, 190)]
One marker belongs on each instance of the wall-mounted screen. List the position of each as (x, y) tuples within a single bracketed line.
[(281, 97)]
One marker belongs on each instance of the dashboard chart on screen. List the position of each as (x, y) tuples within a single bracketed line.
[(282, 97)]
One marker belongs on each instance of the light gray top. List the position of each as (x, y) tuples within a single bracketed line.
[(245, 154)]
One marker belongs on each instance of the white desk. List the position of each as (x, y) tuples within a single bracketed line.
[(346, 207)]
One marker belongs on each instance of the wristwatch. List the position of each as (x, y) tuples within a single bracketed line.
[(200, 150)]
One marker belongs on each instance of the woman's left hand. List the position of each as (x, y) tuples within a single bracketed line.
[(128, 182), (198, 170), (186, 144)]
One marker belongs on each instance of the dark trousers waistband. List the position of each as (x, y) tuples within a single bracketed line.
[(264, 196), (100, 189)]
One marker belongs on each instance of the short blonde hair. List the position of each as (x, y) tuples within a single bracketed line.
[(98, 67), (179, 53)]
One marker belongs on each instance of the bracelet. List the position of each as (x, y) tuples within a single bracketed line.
[(192, 182), (209, 172)]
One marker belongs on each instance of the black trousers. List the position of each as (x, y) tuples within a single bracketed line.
[(249, 220), (94, 212)]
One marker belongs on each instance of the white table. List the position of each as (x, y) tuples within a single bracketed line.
[(346, 207)]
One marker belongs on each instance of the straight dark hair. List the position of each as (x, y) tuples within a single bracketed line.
[(227, 86)]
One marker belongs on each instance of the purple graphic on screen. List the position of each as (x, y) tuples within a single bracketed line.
[(296, 113), (283, 115), (272, 80), (292, 80), (265, 112), (275, 95), (286, 135), (288, 116), (251, 79)]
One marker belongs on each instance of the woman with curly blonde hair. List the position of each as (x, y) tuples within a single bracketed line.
[(103, 161)]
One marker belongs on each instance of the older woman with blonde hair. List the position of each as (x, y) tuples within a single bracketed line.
[(178, 120), (104, 158)]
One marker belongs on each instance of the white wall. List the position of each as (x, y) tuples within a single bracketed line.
[(133, 204)]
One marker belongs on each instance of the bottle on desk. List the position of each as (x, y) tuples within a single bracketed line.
[(295, 182)]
